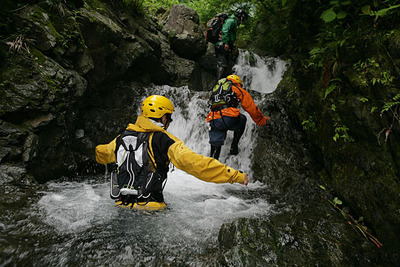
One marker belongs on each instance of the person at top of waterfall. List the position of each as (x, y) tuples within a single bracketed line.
[(140, 176), (225, 115), (225, 50)]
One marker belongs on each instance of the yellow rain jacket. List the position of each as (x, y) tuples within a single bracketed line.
[(204, 168)]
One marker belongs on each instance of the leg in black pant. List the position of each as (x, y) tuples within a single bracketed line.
[(237, 134), (215, 151)]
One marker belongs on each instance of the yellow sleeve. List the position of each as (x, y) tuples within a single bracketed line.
[(106, 153), (203, 168)]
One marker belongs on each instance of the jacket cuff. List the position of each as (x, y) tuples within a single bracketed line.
[(238, 177)]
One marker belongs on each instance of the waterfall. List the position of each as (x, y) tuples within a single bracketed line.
[(86, 219), (261, 74)]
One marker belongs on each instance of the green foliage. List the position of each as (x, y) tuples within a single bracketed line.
[(208, 8), (317, 57), (309, 124), (355, 224), (337, 201), (336, 11), (330, 89), (156, 7), (378, 13), (372, 73), (341, 132), (133, 7), (393, 106)]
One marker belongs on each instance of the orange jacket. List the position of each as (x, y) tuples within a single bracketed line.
[(248, 105)]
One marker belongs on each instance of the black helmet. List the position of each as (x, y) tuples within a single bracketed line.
[(241, 15), (222, 15)]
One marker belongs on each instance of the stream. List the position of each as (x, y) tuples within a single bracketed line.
[(73, 222)]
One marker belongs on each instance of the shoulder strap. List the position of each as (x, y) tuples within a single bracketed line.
[(141, 137), (227, 85), (151, 153), (238, 87)]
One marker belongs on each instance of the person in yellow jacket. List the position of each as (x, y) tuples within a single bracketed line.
[(226, 116), (143, 153)]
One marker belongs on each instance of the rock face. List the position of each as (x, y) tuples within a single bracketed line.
[(185, 33), (65, 81), (362, 173), (186, 39), (306, 229)]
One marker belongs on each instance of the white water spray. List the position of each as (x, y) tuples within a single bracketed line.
[(261, 74), (196, 209)]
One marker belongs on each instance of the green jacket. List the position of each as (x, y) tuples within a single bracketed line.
[(229, 30)]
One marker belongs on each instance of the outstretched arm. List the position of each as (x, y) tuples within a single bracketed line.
[(106, 153), (204, 168), (250, 107)]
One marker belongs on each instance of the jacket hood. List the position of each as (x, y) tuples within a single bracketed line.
[(144, 124)]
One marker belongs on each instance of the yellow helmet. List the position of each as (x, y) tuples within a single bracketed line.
[(235, 79), (155, 106)]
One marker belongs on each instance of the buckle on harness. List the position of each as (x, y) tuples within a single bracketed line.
[(129, 191)]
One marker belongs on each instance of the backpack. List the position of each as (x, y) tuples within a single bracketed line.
[(222, 96), (133, 177), (214, 27)]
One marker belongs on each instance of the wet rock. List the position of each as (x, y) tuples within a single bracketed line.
[(78, 75), (45, 33), (186, 35), (296, 239), (11, 173), (303, 158)]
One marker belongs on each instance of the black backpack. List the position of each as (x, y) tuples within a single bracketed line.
[(214, 27), (133, 177), (222, 96)]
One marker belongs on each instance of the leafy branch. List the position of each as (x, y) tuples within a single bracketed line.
[(393, 107), (309, 124), (337, 11), (379, 13), (355, 224), (341, 131)]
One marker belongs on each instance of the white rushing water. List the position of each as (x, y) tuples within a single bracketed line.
[(196, 209)]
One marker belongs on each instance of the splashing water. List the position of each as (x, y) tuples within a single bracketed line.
[(94, 231), (261, 74)]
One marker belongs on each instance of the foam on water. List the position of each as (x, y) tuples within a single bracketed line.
[(196, 209), (74, 206)]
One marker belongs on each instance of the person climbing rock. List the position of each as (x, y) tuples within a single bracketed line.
[(226, 96), (142, 154), (225, 50)]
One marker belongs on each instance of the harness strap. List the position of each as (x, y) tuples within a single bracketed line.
[(150, 152), (222, 117)]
